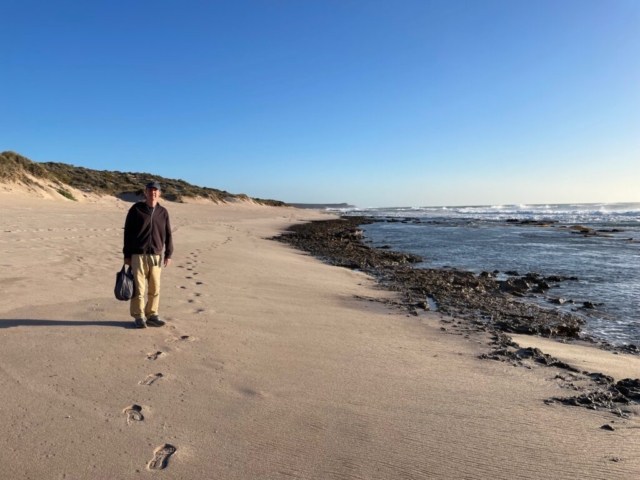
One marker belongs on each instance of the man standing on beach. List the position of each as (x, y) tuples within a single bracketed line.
[(147, 232)]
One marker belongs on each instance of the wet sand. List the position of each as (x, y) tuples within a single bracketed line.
[(269, 368)]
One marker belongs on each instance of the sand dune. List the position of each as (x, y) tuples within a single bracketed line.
[(269, 368)]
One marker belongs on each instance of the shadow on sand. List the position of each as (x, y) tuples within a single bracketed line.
[(22, 322)]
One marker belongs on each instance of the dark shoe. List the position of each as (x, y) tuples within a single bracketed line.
[(141, 322), (154, 321)]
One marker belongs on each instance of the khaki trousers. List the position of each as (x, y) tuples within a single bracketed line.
[(146, 269)]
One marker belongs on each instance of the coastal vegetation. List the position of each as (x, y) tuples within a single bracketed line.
[(16, 168), (67, 194)]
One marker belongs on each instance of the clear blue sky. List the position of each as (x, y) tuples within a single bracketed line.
[(377, 103)]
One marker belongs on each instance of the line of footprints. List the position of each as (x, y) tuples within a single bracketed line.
[(134, 413), (191, 275)]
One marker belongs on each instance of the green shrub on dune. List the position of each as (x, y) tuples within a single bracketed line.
[(14, 167), (67, 194)]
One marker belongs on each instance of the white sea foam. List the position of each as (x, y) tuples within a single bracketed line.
[(343, 210), (613, 213)]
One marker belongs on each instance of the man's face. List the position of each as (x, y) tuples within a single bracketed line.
[(152, 194)]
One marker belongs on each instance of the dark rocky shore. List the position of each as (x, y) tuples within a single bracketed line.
[(471, 303), (480, 299)]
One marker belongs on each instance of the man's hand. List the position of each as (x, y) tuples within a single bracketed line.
[(167, 262), (127, 261)]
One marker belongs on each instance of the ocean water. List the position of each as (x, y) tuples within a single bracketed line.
[(480, 239)]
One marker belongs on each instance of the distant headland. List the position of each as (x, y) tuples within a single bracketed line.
[(319, 206)]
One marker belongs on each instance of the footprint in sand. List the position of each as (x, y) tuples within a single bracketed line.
[(134, 414), (161, 457), (189, 278), (254, 393), (182, 338), (155, 355), (198, 283), (151, 379)]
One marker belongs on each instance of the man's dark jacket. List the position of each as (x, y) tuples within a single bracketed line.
[(147, 230)]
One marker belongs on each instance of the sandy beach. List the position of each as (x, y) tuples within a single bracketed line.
[(269, 367)]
